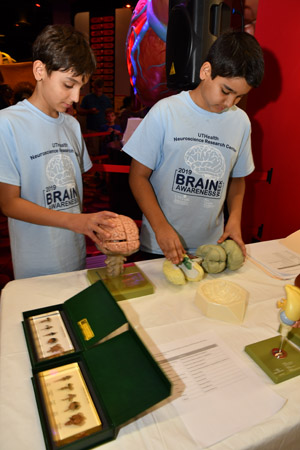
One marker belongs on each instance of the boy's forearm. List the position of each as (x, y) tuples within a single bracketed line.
[(235, 197), (21, 209), (166, 236), (94, 225)]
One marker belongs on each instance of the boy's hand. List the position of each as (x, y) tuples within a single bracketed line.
[(170, 244), (94, 225), (233, 232)]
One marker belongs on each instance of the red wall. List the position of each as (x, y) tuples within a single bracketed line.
[(272, 210)]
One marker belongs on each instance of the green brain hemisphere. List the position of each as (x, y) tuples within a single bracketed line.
[(213, 258)]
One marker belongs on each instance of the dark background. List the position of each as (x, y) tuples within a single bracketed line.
[(22, 20)]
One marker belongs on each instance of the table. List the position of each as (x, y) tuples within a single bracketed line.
[(167, 315)]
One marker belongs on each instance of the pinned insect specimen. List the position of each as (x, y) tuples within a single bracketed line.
[(46, 320), (76, 419), (73, 406), (67, 377), (69, 386), (69, 397), (56, 348)]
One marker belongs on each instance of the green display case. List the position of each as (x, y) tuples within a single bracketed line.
[(84, 396), (80, 322)]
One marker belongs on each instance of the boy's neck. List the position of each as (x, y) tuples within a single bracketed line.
[(196, 96), (38, 102)]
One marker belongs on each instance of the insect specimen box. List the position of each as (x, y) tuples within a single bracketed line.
[(104, 376)]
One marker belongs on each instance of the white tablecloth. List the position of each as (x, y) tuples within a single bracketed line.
[(167, 315)]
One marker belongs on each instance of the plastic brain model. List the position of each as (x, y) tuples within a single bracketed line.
[(124, 241)]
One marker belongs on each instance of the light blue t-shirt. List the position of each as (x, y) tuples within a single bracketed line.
[(193, 153), (46, 157)]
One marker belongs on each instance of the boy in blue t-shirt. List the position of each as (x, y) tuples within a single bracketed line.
[(192, 151), (110, 123), (42, 158), (113, 140)]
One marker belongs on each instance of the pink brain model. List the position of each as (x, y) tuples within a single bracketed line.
[(124, 241)]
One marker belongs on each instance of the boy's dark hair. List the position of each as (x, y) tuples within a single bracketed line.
[(237, 54), (61, 47)]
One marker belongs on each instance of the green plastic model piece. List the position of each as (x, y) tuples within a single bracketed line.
[(216, 258), (213, 258), (235, 257)]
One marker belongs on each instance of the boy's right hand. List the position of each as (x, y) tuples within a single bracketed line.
[(170, 244), (12, 205)]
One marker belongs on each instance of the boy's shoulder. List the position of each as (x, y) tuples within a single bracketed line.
[(179, 96), (240, 113), (12, 111), (171, 100)]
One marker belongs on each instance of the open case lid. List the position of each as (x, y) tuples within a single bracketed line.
[(126, 376), (94, 314)]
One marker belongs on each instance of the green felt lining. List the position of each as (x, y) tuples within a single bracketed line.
[(126, 376), (98, 307)]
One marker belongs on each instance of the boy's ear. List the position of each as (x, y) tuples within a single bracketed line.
[(205, 70), (39, 70)]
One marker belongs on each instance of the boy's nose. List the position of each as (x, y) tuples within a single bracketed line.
[(75, 95), (230, 101)]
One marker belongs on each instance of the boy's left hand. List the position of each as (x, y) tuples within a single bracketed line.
[(233, 232), (95, 225)]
